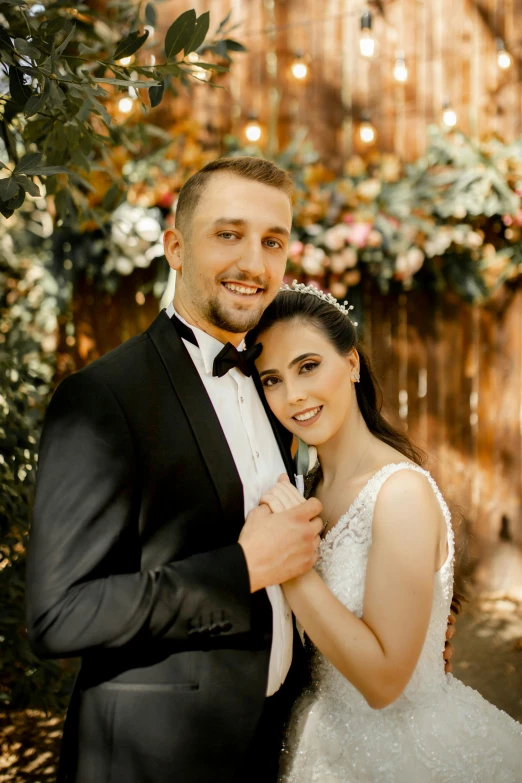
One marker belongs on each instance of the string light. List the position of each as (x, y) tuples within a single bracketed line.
[(503, 56), (449, 116), (126, 60), (299, 68), (400, 70), (367, 132), (366, 41), (253, 130), (125, 105)]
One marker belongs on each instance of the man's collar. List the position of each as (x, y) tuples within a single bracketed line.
[(209, 347)]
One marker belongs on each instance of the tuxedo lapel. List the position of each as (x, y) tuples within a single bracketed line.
[(282, 436), (202, 418)]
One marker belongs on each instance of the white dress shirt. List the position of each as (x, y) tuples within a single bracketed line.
[(258, 461)]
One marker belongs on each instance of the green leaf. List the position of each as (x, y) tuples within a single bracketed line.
[(53, 26), (79, 160), (25, 49), (111, 198), (150, 14), (211, 67), (66, 40), (5, 39), (224, 23), (30, 161), (36, 102), (100, 109), (156, 94), (85, 110), (5, 211), (65, 206), (130, 44), (8, 189), (17, 200), (129, 82), (234, 46), (28, 185), (202, 25), (84, 49), (180, 33), (172, 69), (47, 171), (56, 96), (20, 92)]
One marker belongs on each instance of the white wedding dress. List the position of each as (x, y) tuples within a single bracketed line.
[(437, 731)]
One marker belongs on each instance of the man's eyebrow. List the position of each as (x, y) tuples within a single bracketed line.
[(224, 221), (292, 364)]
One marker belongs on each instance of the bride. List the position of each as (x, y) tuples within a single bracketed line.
[(379, 706)]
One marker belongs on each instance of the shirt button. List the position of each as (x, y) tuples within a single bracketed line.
[(241, 398)]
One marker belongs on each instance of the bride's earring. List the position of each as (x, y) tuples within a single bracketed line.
[(356, 376)]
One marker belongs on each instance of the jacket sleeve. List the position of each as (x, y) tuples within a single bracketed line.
[(79, 595)]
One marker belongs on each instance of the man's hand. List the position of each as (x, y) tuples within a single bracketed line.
[(282, 545)]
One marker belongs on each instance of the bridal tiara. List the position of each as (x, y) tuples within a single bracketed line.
[(301, 288)]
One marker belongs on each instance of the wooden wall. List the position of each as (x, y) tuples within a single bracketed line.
[(451, 374), (449, 48)]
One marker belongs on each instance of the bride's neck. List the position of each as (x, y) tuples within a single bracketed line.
[(348, 451)]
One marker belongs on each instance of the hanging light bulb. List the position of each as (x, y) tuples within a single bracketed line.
[(503, 56), (299, 68), (449, 116), (366, 41), (367, 132), (253, 130), (125, 105), (400, 72)]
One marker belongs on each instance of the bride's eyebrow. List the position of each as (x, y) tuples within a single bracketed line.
[(267, 372), (300, 359), (292, 363)]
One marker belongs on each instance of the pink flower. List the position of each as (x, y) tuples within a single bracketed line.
[(359, 233), (295, 249)]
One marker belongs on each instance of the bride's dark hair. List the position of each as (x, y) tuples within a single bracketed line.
[(337, 327)]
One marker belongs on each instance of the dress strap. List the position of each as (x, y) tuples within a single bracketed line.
[(382, 475)]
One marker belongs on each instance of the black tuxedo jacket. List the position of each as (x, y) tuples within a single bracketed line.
[(134, 565)]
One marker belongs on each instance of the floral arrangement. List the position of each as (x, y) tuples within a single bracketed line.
[(452, 220)]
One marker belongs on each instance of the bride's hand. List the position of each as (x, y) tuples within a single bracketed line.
[(283, 496)]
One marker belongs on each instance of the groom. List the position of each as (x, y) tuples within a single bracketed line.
[(150, 556)]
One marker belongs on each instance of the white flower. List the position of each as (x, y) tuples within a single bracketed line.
[(407, 264), (313, 260), (123, 265), (335, 238)]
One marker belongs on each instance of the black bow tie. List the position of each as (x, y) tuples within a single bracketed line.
[(228, 357)]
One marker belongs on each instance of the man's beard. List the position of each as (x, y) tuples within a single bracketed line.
[(236, 323)]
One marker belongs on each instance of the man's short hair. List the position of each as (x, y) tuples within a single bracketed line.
[(256, 169)]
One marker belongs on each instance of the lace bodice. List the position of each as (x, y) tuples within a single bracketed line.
[(437, 731), (343, 557)]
